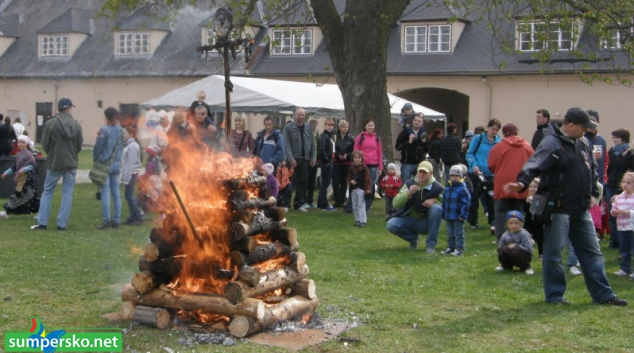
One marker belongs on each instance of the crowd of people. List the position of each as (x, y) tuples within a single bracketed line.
[(562, 189)]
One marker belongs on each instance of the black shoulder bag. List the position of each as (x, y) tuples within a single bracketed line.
[(542, 206)]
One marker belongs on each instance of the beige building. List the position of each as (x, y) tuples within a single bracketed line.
[(61, 49)]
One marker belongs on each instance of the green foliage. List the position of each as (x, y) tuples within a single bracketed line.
[(403, 301)]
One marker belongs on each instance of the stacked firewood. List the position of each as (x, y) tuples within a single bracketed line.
[(267, 281)]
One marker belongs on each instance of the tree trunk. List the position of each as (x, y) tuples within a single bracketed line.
[(358, 50)]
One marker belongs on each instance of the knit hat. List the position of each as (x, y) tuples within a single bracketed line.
[(24, 139), (464, 168), (469, 133), (426, 166), (515, 214), (268, 167), (407, 106), (456, 170), (391, 166)]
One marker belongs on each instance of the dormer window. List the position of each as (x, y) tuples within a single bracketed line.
[(133, 43), (54, 45), (293, 42), (429, 38), (618, 35), (536, 36), (210, 36)]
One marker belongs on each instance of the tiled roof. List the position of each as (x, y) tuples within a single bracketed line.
[(72, 21), (9, 25)]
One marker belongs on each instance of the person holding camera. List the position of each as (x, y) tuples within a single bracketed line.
[(412, 143), (568, 174), (479, 172)]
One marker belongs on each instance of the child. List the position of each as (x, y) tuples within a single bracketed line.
[(391, 183), (285, 192), (465, 178), (516, 247), (536, 230), (130, 167), (359, 181), (271, 182), (150, 187), (621, 209), (24, 199), (455, 209)]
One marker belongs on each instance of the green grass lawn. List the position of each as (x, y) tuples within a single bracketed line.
[(404, 301)]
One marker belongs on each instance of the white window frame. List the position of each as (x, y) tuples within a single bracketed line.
[(133, 43), (417, 39), (614, 41), (420, 39), (210, 36), (557, 40), (292, 42), (55, 45)]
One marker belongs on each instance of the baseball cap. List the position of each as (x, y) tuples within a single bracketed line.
[(64, 103), (456, 170), (426, 166), (594, 115), (515, 214), (469, 133), (579, 116)]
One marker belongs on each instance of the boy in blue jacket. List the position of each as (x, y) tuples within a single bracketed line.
[(455, 209)]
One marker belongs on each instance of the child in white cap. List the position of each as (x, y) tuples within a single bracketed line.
[(391, 184)]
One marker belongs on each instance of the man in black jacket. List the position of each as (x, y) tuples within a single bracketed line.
[(412, 143), (325, 157), (542, 118), (568, 173), (450, 148)]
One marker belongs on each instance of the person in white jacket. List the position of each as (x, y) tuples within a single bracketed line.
[(130, 168)]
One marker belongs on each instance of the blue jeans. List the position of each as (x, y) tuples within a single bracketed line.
[(572, 257), (68, 186), (408, 228), (580, 230), (135, 212), (326, 177), (455, 234), (626, 249), (111, 190), (408, 171)]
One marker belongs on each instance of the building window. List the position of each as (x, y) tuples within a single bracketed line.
[(619, 35), (535, 36), (210, 36), (131, 43), (55, 45), (432, 38), (293, 42)]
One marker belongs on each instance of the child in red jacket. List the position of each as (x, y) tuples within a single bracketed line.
[(391, 183)]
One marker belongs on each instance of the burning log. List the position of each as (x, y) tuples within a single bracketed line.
[(189, 220), (238, 259), (275, 213), (274, 299), (242, 183), (145, 281), (246, 244), (272, 280), (265, 252), (305, 288), (286, 236), (168, 267), (250, 275), (253, 203), (206, 304), (156, 317), (298, 261), (158, 250), (260, 224), (242, 326)]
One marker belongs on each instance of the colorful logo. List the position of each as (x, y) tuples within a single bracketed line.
[(40, 339)]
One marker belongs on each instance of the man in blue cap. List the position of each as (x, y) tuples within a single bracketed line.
[(61, 139)]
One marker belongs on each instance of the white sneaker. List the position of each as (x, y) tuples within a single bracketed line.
[(286, 209), (499, 269), (529, 271), (302, 209), (621, 273), (632, 276), (574, 271), (4, 215)]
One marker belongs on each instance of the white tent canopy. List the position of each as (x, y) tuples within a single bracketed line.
[(272, 96)]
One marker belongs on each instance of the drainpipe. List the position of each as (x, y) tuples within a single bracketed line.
[(55, 98), (489, 96)]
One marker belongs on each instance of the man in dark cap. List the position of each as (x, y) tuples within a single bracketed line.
[(568, 173), (61, 139)]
